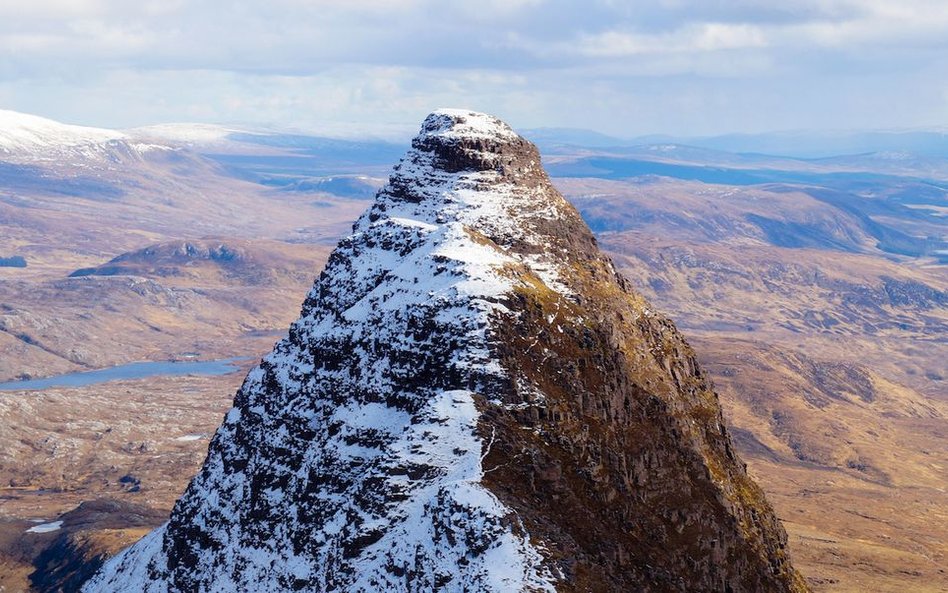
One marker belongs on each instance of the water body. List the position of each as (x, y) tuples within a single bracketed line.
[(134, 370)]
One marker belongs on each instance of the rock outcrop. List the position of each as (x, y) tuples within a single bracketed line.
[(471, 400), (169, 258)]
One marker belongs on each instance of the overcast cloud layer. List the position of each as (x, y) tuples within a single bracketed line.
[(685, 67)]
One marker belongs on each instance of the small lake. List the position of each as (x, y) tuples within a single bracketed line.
[(134, 370)]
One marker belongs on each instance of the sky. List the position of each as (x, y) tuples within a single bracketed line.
[(625, 68)]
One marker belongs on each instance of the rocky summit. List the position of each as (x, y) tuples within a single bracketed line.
[(471, 400)]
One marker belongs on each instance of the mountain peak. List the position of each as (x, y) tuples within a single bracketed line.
[(465, 124), (471, 400), (459, 140)]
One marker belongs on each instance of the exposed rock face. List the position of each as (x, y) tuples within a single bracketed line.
[(471, 400)]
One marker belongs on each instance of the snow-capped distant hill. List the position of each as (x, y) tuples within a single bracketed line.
[(187, 134), (21, 132), (28, 138)]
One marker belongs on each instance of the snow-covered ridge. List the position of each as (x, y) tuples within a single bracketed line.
[(25, 134), (20, 131), (28, 138)]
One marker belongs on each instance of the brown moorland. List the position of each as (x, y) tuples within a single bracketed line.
[(829, 362)]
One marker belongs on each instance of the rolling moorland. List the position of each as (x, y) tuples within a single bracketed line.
[(814, 291)]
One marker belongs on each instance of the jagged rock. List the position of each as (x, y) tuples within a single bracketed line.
[(165, 259), (471, 400)]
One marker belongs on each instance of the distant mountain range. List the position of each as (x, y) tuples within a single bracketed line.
[(896, 194), (798, 144)]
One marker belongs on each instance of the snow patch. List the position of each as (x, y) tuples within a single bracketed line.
[(46, 527), (466, 124)]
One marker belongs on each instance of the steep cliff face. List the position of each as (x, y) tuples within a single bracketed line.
[(471, 400)]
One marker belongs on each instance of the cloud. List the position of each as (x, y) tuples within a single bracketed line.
[(303, 36), (706, 37), (544, 61), (52, 9)]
